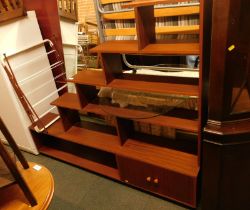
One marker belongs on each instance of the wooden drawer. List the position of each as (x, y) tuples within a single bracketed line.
[(167, 183)]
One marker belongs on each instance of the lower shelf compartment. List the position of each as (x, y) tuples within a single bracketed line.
[(81, 162), (161, 170)]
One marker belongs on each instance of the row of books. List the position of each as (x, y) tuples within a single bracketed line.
[(160, 22)]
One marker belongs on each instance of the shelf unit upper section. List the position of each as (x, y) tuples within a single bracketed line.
[(143, 3), (158, 12), (144, 14)]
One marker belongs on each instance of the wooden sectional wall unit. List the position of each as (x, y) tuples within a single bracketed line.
[(116, 151)]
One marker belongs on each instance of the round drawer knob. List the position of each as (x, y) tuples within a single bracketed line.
[(156, 181), (126, 181), (148, 179)]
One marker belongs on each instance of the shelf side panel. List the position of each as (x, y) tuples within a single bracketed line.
[(145, 26)]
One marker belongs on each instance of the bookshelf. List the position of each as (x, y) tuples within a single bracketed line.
[(164, 166)]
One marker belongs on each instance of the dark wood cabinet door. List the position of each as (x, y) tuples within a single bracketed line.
[(164, 182)]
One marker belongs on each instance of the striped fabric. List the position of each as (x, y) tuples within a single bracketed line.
[(160, 21)]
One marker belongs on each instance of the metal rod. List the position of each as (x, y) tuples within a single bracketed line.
[(79, 47), (44, 84), (99, 21), (48, 111), (53, 66), (23, 64), (30, 47), (51, 94), (157, 68)]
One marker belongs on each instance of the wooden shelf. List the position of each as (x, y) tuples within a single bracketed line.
[(94, 108), (126, 46), (131, 47), (81, 162), (162, 12), (166, 88), (89, 77), (143, 3), (71, 101), (192, 29), (98, 140), (173, 122), (68, 100), (57, 126), (172, 49), (104, 110), (173, 160)]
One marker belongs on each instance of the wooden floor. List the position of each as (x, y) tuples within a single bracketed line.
[(41, 184)]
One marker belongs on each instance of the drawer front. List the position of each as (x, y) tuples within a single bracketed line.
[(167, 183)]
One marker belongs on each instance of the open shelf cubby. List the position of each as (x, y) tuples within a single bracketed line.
[(145, 146)]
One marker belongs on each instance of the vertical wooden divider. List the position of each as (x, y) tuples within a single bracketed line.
[(69, 117), (111, 64), (145, 25), (124, 128), (81, 95)]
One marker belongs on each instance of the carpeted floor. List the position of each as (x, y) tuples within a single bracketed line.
[(77, 189)]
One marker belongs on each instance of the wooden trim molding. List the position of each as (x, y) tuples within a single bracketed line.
[(68, 9), (11, 9)]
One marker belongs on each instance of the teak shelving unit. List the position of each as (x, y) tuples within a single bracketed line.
[(169, 168)]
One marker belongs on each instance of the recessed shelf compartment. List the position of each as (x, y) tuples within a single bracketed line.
[(80, 162), (131, 47), (153, 118), (87, 135), (141, 116), (99, 140), (167, 88), (157, 135)]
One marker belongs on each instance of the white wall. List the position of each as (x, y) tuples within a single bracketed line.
[(69, 32)]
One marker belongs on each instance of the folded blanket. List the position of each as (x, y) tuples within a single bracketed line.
[(147, 100)]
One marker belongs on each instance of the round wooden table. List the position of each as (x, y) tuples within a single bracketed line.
[(41, 184)]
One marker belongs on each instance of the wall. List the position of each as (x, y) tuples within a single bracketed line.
[(86, 11)]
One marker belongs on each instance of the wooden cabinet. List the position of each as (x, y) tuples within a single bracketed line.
[(227, 131), (159, 180)]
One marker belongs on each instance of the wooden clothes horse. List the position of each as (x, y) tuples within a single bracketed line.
[(11, 165)]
